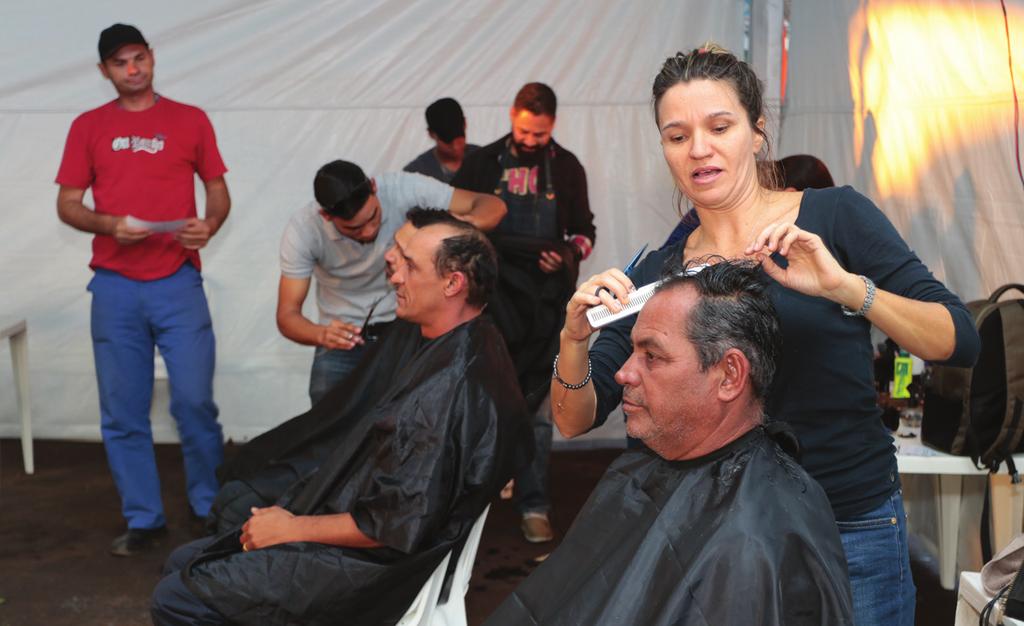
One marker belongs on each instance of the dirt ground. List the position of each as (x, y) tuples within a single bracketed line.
[(56, 526)]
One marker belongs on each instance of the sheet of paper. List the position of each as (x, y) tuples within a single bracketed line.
[(157, 227)]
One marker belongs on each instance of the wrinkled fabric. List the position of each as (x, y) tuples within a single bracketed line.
[(741, 536), (415, 471), (267, 466)]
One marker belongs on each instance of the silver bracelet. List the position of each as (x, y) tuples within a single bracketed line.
[(554, 375), (869, 299)]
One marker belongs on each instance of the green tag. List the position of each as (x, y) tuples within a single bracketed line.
[(901, 377)]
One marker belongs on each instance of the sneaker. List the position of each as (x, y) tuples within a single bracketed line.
[(137, 540), (536, 527)]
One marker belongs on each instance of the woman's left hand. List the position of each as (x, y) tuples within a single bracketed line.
[(812, 270)]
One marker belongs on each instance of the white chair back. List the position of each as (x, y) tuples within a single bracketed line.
[(422, 609), (453, 612)]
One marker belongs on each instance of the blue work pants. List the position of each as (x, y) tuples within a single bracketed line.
[(129, 317)]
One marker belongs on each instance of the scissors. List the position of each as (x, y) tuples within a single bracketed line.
[(636, 259), (364, 332), (626, 270)]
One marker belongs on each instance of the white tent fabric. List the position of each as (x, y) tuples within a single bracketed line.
[(911, 103), (289, 86)]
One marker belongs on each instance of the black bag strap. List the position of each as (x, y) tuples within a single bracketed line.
[(981, 310), (1013, 346), (986, 613), (1012, 318), (1001, 290)]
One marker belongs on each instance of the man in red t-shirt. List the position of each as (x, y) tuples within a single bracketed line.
[(140, 154)]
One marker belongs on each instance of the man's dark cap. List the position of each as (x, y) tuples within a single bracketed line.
[(116, 36), (445, 119)]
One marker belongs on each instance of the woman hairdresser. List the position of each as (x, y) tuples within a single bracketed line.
[(838, 267)]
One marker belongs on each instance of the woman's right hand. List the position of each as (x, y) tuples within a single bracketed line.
[(610, 288)]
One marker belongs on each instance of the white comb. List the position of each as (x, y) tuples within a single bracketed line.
[(601, 315)]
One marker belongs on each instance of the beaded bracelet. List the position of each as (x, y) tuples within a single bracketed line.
[(869, 299), (554, 374)]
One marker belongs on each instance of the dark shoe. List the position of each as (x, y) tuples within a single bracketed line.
[(137, 540), (198, 526)]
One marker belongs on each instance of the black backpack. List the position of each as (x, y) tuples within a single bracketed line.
[(976, 412)]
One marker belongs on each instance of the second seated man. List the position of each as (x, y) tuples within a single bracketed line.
[(713, 522), (414, 457)]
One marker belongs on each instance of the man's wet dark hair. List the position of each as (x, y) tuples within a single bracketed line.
[(733, 311), (341, 189), (537, 98), (469, 251)]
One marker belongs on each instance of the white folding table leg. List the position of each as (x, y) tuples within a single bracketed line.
[(19, 361), (972, 501), (949, 527)]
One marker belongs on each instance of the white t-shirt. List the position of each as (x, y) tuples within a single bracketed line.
[(350, 275)]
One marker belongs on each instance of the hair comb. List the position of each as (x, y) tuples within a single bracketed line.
[(601, 315)]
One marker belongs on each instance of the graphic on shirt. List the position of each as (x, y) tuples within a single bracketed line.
[(520, 181), (139, 144)]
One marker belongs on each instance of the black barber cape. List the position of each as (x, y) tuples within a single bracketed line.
[(415, 472), (265, 467), (741, 536)]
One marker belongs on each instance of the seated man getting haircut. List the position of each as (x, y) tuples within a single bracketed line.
[(712, 523), (354, 539)]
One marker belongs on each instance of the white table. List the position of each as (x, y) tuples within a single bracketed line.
[(971, 599), (944, 496), (16, 331)]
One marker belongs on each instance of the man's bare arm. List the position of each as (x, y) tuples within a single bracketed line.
[(274, 525), (483, 210), (197, 232), (218, 203), (291, 294), (74, 213)]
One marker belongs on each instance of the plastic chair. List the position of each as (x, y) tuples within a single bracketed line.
[(453, 611), (422, 609)]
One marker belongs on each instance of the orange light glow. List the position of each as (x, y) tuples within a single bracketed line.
[(917, 68)]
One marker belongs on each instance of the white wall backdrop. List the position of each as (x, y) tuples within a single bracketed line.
[(289, 86)]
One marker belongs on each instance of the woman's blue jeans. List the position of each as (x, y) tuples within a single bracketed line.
[(879, 562)]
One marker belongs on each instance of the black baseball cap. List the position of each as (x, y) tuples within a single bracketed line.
[(115, 37), (445, 119)]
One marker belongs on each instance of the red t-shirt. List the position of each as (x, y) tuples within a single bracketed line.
[(141, 163)]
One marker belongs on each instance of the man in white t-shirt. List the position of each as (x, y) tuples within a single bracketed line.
[(341, 239)]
